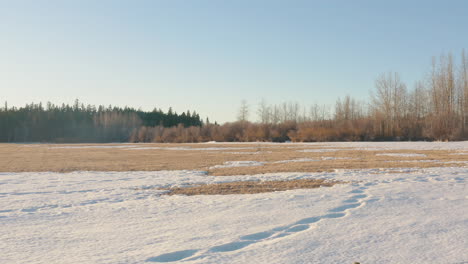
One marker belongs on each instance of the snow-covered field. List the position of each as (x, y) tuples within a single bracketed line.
[(411, 216)]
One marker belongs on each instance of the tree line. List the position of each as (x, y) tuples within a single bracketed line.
[(435, 108), (36, 122)]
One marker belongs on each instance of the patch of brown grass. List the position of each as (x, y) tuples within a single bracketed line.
[(249, 187)]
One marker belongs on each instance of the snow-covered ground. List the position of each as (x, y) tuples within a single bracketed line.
[(249, 163), (231, 164), (412, 216), (407, 145), (314, 146), (319, 150), (140, 147), (401, 155)]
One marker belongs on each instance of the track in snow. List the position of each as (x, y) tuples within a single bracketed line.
[(357, 198)]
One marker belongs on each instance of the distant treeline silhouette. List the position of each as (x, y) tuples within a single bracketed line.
[(80, 123), (435, 109)]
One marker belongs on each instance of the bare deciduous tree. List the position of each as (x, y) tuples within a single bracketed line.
[(264, 112), (389, 102), (243, 114)]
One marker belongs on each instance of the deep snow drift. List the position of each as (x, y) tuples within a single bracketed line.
[(413, 216)]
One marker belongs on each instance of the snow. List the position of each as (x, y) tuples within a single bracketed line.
[(318, 150), (382, 146), (295, 160), (337, 158), (438, 161), (231, 164), (413, 216), (189, 148), (317, 146), (247, 153), (309, 160), (94, 146), (416, 145), (140, 147), (401, 154)]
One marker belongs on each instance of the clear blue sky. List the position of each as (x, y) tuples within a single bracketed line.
[(209, 55)]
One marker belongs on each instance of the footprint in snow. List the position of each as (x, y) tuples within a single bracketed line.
[(345, 207), (174, 256), (356, 191), (233, 246), (257, 236), (278, 232)]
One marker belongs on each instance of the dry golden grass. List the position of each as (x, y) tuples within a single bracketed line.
[(44, 157), (250, 187)]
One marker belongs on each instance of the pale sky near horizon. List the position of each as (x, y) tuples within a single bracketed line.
[(208, 55)]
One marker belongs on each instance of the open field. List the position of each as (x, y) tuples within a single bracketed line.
[(399, 202), (308, 157)]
